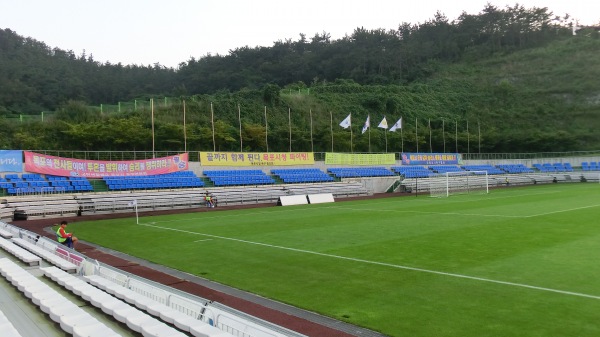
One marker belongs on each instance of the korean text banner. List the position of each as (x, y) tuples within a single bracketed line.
[(11, 161), (359, 159), (68, 167), (256, 159), (431, 159)]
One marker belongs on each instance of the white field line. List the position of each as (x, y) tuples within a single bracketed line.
[(467, 214), (561, 211), (425, 212), (203, 240), (384, 264)]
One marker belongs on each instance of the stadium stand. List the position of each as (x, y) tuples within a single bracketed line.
[(590, 176), (238, 177), (489, 168), (21, 253), (415, 171), (123, 312), (445, 168), (33, 183), (72, 319), (589, 166), (308, 175), (119, 202), (182, 179), (354, 172), (50, 252), (46, 205), (5, 233), (556, 167), (514, 168)]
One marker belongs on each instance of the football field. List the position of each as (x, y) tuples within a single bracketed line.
[(514, 262)]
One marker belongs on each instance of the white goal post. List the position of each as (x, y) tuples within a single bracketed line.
[(460, 182)]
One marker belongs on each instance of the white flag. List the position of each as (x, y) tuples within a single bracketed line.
[(367, 124), (132, 203), (396, 126), (346, 122), (383, 123)]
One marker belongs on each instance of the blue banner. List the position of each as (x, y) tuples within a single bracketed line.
[(420, 158), (11, 161)]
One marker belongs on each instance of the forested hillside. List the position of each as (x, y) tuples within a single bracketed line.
[(505, 80)]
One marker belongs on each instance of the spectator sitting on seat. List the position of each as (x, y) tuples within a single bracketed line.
[(65, 238)]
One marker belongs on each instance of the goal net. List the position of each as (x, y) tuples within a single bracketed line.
[(461, 182)]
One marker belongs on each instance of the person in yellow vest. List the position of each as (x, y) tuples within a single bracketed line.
[(65, 238), (208, 199)]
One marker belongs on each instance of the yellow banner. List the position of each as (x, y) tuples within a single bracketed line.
[(360, 159), (256, 159)]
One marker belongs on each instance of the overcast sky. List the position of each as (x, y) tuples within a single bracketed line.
[(145, 32)]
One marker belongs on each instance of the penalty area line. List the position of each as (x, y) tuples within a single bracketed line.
[(474, 278)]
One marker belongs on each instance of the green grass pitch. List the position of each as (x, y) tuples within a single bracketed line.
[(515, 262)]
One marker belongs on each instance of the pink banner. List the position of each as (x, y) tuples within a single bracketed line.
[(68, 167)]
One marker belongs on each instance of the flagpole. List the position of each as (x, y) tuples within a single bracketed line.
[(417, 133), (430, 145), (266, 130), (456, 135), (401, 136), (351, 147), (152, 111), (385, 134), (184, 133), (212, 122), (479, 131), (369, 126), (290, 125), (331, 128), (137, 218), (444, 135), (312, 146), (240, 122), (468, 139)]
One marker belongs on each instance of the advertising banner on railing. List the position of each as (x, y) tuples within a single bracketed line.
[(69, 167), (11, 161), (419, 158), (256, 158), (359, 158)]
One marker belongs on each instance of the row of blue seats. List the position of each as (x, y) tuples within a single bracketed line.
[(557, 167), (38, 177), (514, 168), (291, 179), (242, 180), (75, 185), (147, 180), (224, 173), (350, 172), (296, 171), (238, 177), (153, 186), (304, 175), (41, 190), (179, 179)]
